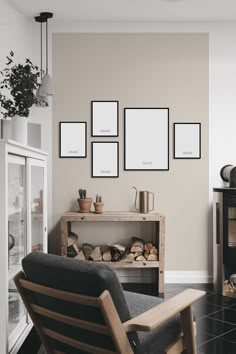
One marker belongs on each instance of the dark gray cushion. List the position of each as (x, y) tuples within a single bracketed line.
[(90, 278), (156, 341), (83, 277)]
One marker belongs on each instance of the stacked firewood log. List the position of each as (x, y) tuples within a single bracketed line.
[(137, 251), (143, 251), (229, 287)]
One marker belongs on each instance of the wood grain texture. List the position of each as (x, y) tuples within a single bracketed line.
[(188, 330), (114, 324), (75, 343)]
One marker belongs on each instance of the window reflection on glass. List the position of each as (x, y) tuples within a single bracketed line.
[(232, 227), (16, 239), (37, 179)]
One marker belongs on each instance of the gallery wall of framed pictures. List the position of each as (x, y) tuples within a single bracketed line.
[(146, 139)]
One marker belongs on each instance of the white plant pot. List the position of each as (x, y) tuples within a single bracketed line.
[(19, 126)]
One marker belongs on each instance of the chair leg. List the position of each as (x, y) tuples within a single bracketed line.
[(188, 330)]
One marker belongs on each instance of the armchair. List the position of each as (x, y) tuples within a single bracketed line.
[(80, 307)]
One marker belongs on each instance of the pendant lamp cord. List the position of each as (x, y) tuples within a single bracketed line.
[(41, 58), (47, 47)]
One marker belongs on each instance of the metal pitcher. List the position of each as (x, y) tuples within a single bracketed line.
[(144, 199)]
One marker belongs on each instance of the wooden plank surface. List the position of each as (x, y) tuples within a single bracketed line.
[(134, 264), (111, 216)]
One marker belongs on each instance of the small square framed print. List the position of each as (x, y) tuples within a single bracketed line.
[(104, 118), (105, 159), (73, 139), (187, 140)]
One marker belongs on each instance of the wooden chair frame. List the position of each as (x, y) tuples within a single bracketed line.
[(146, 321)]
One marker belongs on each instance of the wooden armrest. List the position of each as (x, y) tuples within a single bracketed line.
[(154, 317)]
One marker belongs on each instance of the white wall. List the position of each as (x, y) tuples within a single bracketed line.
[(21, 35), (222, 90)]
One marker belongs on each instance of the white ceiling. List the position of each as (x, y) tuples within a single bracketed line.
[(131, 10)]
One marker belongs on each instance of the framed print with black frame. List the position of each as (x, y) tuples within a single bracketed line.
[(187, 140), (73, 139), (105, 159), (146, 139), (104, 118)]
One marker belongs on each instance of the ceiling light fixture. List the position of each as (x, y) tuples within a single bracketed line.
[(41, 101), (46, 88)]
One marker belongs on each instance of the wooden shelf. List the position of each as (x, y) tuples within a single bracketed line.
[(134, 264), (111, 216), (157, 219)]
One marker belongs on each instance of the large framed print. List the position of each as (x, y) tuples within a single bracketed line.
[(73, 139), (105, 159), (187, 140), (104, 118), (146, 139)]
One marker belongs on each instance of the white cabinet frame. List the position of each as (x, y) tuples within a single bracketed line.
[(10, 151)]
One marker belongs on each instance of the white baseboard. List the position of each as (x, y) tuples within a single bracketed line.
[(185, 277)]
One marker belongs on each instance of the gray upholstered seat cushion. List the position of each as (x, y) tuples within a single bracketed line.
[(156, 341)]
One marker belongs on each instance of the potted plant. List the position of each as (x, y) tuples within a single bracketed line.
[(17, 94), (84, 203), (98, 205)]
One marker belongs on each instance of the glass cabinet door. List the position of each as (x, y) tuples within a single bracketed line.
[(16, 240), (37, 206)]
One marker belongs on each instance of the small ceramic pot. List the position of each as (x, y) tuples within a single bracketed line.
[(98, 207), (85, 205)]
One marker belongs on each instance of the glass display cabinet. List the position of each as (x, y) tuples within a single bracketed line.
[(224, 243), (23, 229)]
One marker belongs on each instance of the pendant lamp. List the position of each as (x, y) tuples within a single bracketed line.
[(41, 101), (46, 88)]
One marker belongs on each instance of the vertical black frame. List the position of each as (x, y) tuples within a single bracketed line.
[(168, 140), (92, 157), (117, 119), (60, 132), (174, 141)]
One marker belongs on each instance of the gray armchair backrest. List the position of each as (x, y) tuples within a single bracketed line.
[(82, 277)]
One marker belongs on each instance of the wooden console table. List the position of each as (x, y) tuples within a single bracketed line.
[(157, 219)]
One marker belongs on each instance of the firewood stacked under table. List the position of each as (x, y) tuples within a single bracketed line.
[(139, 250)]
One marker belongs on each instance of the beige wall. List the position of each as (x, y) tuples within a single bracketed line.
[(138, 70)]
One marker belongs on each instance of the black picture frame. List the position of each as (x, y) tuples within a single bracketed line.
[(187, 140), (109, 159), (102, 113), (148, 125), (72, 139)]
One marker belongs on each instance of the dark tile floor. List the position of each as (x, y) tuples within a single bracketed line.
[(215, 316)]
